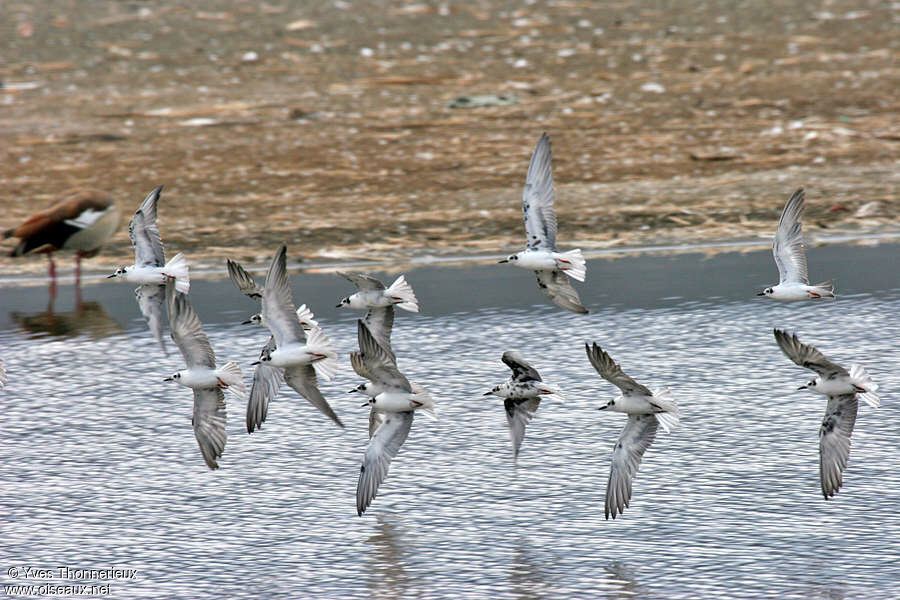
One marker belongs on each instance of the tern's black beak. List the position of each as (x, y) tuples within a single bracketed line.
[(503, 261), (604, 407), (338, 305), (761, 294), (364, 404), (169, 379), (802, 387), (110, 276), (353, 391), (247, 322), (487, 393), (255, 362)]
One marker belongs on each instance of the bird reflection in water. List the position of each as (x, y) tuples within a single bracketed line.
[(526, 578), (88, 318), (388, 559), (621, 582)]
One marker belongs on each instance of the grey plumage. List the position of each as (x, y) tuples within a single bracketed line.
[(382, 449), (556, 286), (612, 372), (806, 356), (636, 437), (538, 198), (243, 280), (834, 441), (788, 247)]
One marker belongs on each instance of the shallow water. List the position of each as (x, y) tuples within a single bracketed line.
[(101, 469)]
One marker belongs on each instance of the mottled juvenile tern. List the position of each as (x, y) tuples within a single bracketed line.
[(521, 395)]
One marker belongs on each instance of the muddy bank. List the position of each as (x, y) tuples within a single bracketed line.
[(330, 127)]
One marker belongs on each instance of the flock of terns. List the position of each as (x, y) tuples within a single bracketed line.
[(298, 352)]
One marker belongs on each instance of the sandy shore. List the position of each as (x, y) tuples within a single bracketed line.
[(330, 128)]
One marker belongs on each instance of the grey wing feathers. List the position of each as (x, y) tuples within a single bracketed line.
[(303, 380), (555, 285), (209, 424), (834, 441), (278, 310), (636, 437), (380, 322), (187, 330), (519, 412), (150, 299), (788, 248), (538, 197), (382, 448), (243, 280), (376, 418), (805, 355), (362, 281), (612, 372), (266, 382), (521, 370), (144, 233), (378, 362)]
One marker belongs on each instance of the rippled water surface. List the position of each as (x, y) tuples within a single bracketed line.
[(100, 466)]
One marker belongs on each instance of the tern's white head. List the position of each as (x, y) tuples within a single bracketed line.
[(119, 272), (510, 258), (766, 292), (494, 391), (255, 320)]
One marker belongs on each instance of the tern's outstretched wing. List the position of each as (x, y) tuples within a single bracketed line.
[(519, 412), (788, 248), (187, 330), (303, 380), (266, 381), (612, 372), (556, 286), (362, 281), (278, 311), (144, 232), (209, 423), (834, 441), (243, 280), (538, 198), (521, 370), (380, 364), (806, 356), (150, 299), (382, 449), (636, 437)]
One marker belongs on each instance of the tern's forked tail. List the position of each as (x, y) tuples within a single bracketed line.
[(427, 402), (402, 291), (669, 417), (307, 318), (177, 268), (230, 375), (861, 379), (318, 343), (571, 263), (824, 289)]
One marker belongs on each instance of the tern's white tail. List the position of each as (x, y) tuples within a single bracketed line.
[(670, 416), (861, 379), (571, 263), (230, 374), (401, 290), (317, 342), (177, 267), (306, 318), (552, 390), (428, 407), (824, 289)]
